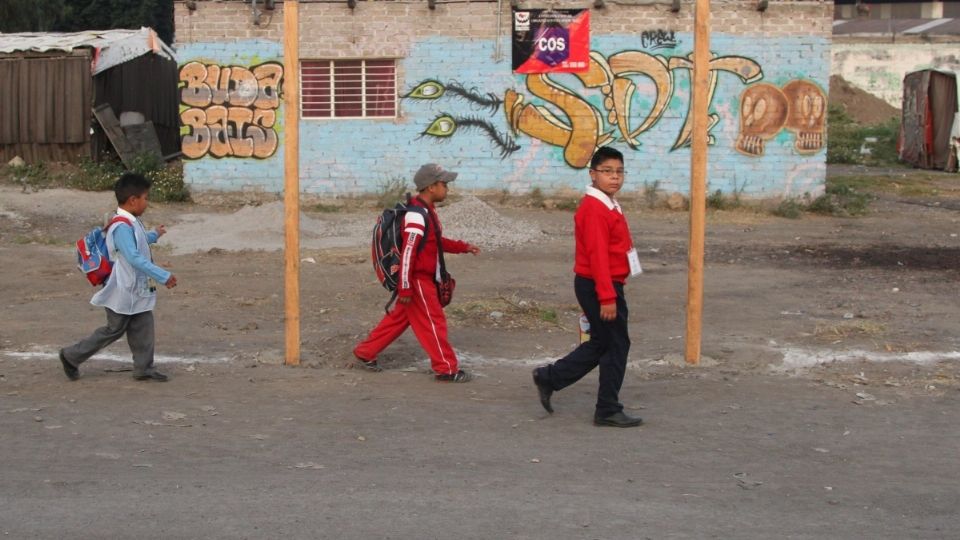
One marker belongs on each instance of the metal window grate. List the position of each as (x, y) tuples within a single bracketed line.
[(348, 88)]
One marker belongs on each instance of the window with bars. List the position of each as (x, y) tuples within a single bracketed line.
[(348, 88)]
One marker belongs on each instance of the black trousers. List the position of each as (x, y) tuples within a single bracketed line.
[(608, 348)]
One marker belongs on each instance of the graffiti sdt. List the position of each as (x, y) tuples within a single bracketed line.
[(230, 110), (583, 127)]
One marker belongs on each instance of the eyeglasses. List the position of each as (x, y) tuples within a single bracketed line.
[(619, 172)]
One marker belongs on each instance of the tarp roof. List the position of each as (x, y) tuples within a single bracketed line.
[(111, 47)]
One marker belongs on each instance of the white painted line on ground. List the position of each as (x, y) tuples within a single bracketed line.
[(114, 357), (795, 359)]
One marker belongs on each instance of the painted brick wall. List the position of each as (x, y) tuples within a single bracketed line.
[(780, 57)]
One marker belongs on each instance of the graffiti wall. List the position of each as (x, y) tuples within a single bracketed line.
[(230, 114), (460, 107), (231, 110)]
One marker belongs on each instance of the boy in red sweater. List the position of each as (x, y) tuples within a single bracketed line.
[(604, 258), (418, 303)]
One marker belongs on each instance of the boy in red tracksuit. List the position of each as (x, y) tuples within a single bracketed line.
[(418, 304), (604, 258)]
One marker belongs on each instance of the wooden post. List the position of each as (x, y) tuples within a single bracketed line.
[(698, 178), (291, 179)]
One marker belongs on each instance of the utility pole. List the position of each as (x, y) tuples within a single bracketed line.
[(698, 179), (291, 180)]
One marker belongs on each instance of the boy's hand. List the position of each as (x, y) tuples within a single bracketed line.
[(171, 283), (161, 230), (472, 249), (608, 312)]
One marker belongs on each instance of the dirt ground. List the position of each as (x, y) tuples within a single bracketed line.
[(826, 404)]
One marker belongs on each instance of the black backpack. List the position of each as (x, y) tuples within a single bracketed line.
[(387, 242)]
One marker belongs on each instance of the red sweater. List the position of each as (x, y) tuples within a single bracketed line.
[(603, 240), (425, 262)]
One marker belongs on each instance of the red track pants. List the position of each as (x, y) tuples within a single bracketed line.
[(429, 323)]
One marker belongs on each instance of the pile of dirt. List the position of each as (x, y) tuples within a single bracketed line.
[(863, 107)]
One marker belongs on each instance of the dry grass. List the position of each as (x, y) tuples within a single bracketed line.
[(512, 312)]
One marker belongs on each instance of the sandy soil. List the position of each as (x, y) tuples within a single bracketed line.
[(825, 406)]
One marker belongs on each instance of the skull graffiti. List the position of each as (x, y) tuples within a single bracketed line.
[(763, 111), (807, 115)]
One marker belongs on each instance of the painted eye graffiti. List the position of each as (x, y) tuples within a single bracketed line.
[(442, 126), (445, 125), (429, 89)]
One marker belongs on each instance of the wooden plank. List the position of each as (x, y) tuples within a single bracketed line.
[(698, 179), (291, 179), (111, 126)]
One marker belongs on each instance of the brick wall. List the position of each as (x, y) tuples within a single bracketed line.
[(780, 57)]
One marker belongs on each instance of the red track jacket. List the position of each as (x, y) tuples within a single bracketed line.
[(416, 262)]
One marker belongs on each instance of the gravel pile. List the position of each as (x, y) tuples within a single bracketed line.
[(475, 221), (261, 228)]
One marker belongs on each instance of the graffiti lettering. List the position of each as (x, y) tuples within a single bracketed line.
[(658, 39), (585, 130), (231, 111)]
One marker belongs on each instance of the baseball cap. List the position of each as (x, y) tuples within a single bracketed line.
[(430, 174)]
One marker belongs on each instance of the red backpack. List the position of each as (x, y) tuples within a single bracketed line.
[(92, 256)]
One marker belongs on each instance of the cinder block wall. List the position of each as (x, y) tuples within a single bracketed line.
[(780, 57)]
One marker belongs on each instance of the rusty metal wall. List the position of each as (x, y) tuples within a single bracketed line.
[(45, 102)]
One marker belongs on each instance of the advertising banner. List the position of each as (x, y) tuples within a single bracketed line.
[(551, 40)]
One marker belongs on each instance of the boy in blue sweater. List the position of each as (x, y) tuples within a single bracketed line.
[(130, 293)]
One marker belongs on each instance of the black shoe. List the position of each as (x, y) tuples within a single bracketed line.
[(71, 370), (618, 419), (369, 365), (152, 376), (459, 376), (544, 391)]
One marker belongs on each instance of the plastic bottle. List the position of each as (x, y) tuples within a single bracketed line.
[(584, 328)]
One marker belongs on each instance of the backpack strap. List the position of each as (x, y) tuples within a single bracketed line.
[(118, 219)]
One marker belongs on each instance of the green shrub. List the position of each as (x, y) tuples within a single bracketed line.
[(536, 198), (167, 180), (791, 208), (567, 204), (651, 193), (716, 200), (33, 176), (845, 138)]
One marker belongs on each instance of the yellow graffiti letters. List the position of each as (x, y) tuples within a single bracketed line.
[(231, 111)]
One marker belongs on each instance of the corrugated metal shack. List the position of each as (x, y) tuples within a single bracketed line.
[(50, 83)]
